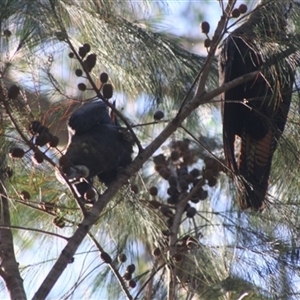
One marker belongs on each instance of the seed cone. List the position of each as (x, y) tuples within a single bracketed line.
[(153, 191), (235, 13), (87, 47), (25, 195), (243, 8), (158, 115), (191, 212), (205, 27), (81, 87), (37, 158), (90, 62), (122, 257), (16, 152), (34, 127), (54, 141), (106, 257), (13, 92), (42, 139), (103, 77), (130, 268), (132, 283), (82, 52), (78, 72), (107, 90)]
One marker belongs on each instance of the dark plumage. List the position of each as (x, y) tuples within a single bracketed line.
[(255, 111), (97, 143)]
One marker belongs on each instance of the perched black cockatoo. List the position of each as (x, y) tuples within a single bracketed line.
[(255, 112), (97, 147)]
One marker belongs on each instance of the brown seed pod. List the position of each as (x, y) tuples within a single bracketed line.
[(153, 191), (42, 129), (37, 158), (212, 181), (7, 33), (177, 257), (207, 43), (90, 62), (184, 185), (13, 92), (81, 87), (175, 155), (64, 163), (170, 221), (16, 152), (106, 257), (130, 268), (103, 77), (158, 115), (205, 27), (195, 199), (173, 199), (184, 145), (107, 90), (59, 222), (235, 13), (87, 47), (25, 196), (195, 172), (203, 195), (172, 191), (243, 8), (156, 252), (135, 188), (127, 276), (191, 212), (78, 72), (166, 211), (172, 180), (187, 207), (122, 258), (132, 283), (155, 204), (82, 52), (166, 233), (34, 127), (42, 139), (189, 178), (54, 141)]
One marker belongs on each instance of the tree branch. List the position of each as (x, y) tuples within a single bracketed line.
[(9, 266)]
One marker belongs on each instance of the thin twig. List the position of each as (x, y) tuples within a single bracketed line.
[(34, 230)]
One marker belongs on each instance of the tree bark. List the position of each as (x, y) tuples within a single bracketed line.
[(9, 266)]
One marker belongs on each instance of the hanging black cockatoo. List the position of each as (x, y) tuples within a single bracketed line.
[(255, 112), (97, 147)]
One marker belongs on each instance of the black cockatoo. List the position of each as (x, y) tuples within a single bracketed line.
[(97, 147), (256, 111)]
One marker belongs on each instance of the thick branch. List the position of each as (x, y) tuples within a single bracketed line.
[(9, 266)]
